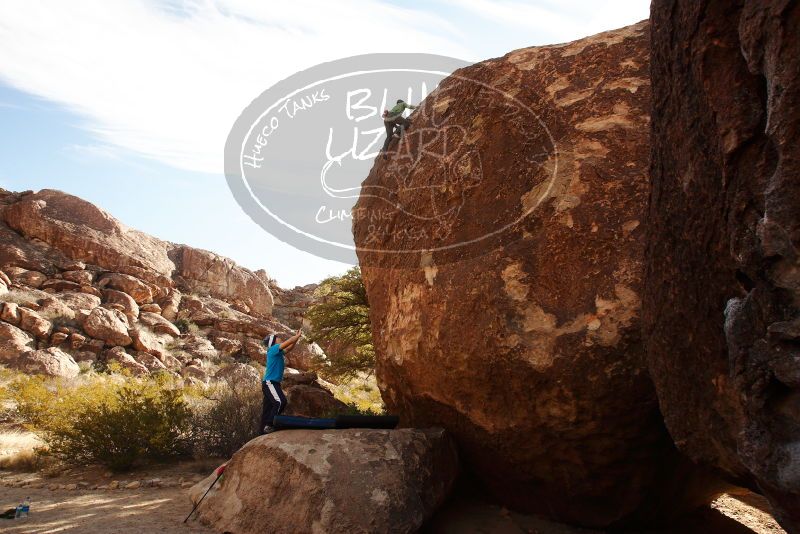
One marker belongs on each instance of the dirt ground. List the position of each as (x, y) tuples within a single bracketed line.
[(65, 508), (163, 509), (154, 499), (95, 512)]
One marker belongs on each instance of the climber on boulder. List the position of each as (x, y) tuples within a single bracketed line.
[(274, 399), (395, 123)]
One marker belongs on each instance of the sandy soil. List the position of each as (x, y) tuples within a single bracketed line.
[(56, 506), (102, 511)]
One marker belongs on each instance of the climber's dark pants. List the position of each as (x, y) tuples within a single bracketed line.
[(274, 402), (400, 122)]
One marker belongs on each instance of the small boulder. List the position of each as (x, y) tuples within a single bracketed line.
[(5, 279), (158, 323), (91, 290), (199, 347), (79, 300), (239, 375), (152, 363), (76, 340), (32, 322), (192, 371), (10, 313), (13, 342), (112, 296), (75, 266), (126, 361), (30, 278), (82, 278), (109, 325), (170, 305), (57, 284), (336, 481), (151, 308), (145, 340), (140, 291), (58, 338), (226, 345), (51, 362), (311, 401)]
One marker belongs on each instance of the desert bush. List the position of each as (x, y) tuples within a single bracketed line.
[(24, 297), (225, 418), (106, 420), (186, 326), (20, 451)]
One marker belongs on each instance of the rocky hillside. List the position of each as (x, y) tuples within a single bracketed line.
[(79, 287)]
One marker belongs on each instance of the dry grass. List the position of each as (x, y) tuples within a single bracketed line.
[(25, 296), (18, 451)]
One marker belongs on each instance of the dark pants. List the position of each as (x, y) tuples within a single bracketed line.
[(400, 123), (274, 402)]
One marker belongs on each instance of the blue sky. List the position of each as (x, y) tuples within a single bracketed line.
[(127, 103)]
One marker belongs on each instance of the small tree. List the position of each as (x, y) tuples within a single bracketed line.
[(340, 325)]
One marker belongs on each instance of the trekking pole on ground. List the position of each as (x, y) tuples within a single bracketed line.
[(221, 470)]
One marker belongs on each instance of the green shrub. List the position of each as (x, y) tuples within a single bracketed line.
[(225, 419), (340, 324), (106, 420)]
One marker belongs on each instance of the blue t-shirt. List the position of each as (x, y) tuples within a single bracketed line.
[(275, 363)]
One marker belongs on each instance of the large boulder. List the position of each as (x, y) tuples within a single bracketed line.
[(158, 323), (13, 342), (722, 302), (198, 347), (145, 340), (79, 301), (207, 273), (129, 305), (51, 362), (109, 325), (139, 290), (10, 313), (80, 230), (312, 401), (515, 324), (31, 321), (170, 305), (334, 481)]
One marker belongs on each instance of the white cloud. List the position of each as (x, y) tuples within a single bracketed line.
[(558, 21), (167, 80)]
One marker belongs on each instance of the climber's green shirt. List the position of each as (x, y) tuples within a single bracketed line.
[(398, 110)]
